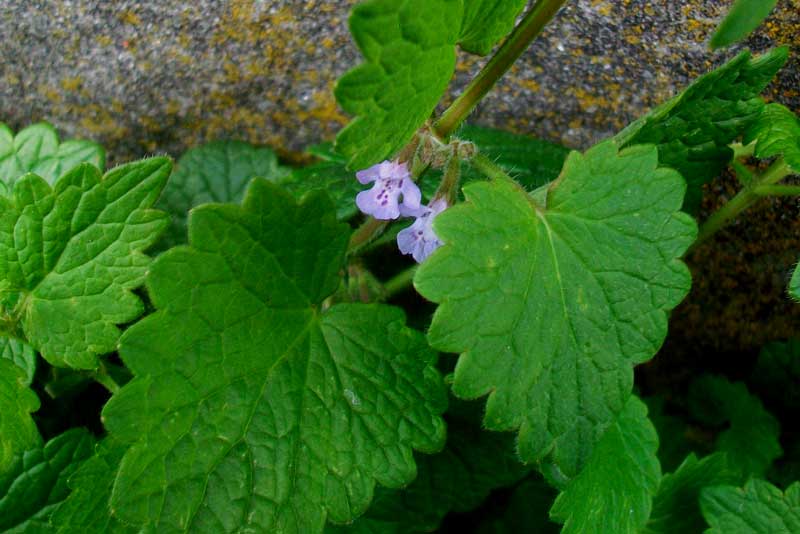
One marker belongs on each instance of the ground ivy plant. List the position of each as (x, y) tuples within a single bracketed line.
[(432, 326)]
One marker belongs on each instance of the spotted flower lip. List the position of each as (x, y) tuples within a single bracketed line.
[(392, 180), (419, 239)]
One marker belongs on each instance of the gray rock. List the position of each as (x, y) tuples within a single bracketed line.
[(146, 76)]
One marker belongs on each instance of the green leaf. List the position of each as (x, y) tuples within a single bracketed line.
[(794, 284), (17, 430), (215, 172), (458, 479), (326, 151), (409, 48), (676, 507), (86, 508), (751, 440), (615, 490), (527, 511), (758, 508), (786, 470), (777, 133), (744, 17), (777, 373), (36, 149), (693, 130), (552, 307), (37, 482), (253, 407), (72, 255), (340, 184), (21, 354), (486, 22), (531, 162), (673, 445)]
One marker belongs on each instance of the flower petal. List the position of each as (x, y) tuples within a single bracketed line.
[(427, 249), (407, 239), (411, 194), (383, 209), (368, 175)]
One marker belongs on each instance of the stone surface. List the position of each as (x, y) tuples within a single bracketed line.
[(146, 76)]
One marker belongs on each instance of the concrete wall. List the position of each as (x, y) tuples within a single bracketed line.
[(140, 76)]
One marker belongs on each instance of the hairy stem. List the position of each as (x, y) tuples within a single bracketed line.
[(364, 234), (778, 190), (448, 188), (400, 282), (743, 200), (102, 377), (386, 238), (488, 168), (519, 40)]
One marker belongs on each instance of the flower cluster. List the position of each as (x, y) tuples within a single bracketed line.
[(419, 240), (395, 194)]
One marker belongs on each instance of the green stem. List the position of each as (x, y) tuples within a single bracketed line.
[(450, 179), (743, 200), (102, 377), (386, 238), (775, 173), (519, 40), (400, 282), (743, 151), (489, 168), (778, 190), (364, 234)]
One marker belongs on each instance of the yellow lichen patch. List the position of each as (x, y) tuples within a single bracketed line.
[(784, 25), (255, 69), (326, 110), (245, 23), (150, 124), (603, 8), (50, 93), (185, 59), (100, 123), (71, 84), (231, 70), (173, 107), (184, 40), (104, 40), (633, 39), (468, 63), (531, 85), (694, 25), (589, 102), (129, 17)]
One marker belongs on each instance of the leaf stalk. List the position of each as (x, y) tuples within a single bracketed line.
[(778, 190), (526, 31), (488, 168), (399, 282), (365, 233), (742, 201), (102, 377)]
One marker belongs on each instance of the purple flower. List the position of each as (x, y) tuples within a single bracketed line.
[(419, 240), (391, 179)]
